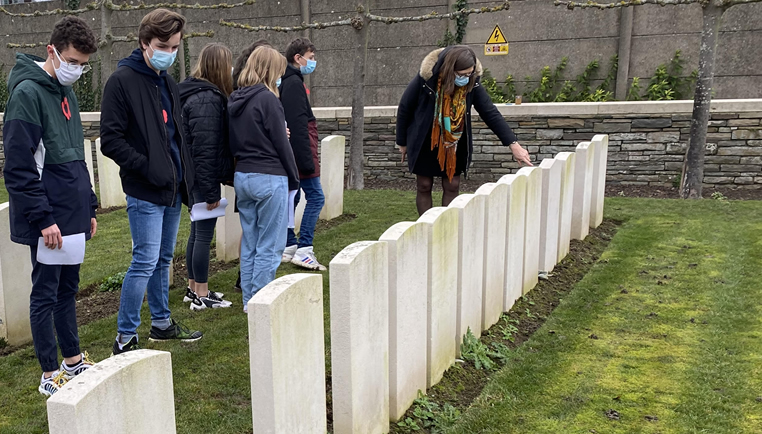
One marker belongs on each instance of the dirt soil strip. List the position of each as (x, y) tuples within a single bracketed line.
[(463, 383)]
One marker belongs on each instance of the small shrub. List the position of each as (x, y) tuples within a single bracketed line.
[(112, 283), (493, 90), (4, 95), (3, 343), (509, 89), (428, 415), (719, 196), (634, 93)]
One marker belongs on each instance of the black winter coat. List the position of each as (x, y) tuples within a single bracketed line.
[(135, 135), (205, 130), (415, 114), (299, 116)]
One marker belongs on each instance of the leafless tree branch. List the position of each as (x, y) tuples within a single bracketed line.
[(88, 8), (286, 29), (436, 16), (623, 4), (127, 7)]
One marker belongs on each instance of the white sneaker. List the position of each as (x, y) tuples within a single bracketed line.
[(211, 301), (51, 385), (288, 254), (305, 257), (72, 371)]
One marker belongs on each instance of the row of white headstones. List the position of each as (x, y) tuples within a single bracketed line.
[(399, 308)]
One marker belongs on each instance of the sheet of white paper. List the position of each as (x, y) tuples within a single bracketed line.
[(71, 253), (199, 211), (291, 208)]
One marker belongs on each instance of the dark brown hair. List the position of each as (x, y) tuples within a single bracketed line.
[(298, 46), (457, 58), (213, 65), (240, 62), (74, 32), (160, 23)]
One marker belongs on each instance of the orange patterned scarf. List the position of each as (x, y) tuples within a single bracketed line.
[(449, 123)]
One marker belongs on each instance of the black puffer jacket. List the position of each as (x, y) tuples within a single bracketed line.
[(205, 129)]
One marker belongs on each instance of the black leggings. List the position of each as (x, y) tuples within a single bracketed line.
[(197, 252)]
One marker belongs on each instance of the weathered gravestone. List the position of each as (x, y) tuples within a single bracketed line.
[(496, 227), (130, 393), (514, 247), (408, 286), (442, 290), (15, 285), (359, 277), (550, 213), (287, 356)]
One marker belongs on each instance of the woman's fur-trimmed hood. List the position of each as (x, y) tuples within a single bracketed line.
[(431, 59)]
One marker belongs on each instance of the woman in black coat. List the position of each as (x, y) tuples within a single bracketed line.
[(434, 122), (204, 99)]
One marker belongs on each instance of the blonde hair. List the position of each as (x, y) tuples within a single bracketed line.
[(265, 65), (213, 65)]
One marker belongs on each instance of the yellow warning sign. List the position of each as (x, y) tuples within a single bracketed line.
[(496, 45), (497, 36)]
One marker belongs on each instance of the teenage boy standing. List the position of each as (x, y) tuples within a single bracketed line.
[(49, 188), (304, 142), (141, 131)]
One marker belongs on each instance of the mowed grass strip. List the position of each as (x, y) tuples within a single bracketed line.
[(662, 336), (211, 376)]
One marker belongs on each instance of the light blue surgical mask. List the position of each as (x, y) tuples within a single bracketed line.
[(162, 60), (309, 68), (461, 81), (277, 83)]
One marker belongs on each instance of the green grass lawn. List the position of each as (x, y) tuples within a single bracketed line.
[(674, 304), (694, 376), (211, 377), (3, 191)]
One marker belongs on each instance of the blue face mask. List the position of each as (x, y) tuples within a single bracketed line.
[(461, 81), (309, 68), (277, 83), (162, 60)]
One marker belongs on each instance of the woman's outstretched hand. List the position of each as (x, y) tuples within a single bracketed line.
[(520, 155)]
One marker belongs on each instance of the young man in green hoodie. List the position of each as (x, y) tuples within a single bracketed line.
[(49, 188)]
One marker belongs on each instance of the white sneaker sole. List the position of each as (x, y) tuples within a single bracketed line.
[(286, 259), (317, 267)]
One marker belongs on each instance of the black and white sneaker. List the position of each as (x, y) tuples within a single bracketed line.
[(72, 371), (209, 302), (129, 346), (52, 384), (175, 332), (190, 295)]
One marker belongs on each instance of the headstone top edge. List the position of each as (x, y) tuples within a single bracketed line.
[(270, 293)]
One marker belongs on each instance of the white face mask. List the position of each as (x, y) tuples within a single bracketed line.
[(66, 73)]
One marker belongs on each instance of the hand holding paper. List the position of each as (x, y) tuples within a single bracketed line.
[(201, 211)]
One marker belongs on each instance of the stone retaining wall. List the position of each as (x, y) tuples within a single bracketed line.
[(647, 139)]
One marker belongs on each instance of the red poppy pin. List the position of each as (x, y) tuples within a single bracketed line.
[(164, 112), (65, 108)]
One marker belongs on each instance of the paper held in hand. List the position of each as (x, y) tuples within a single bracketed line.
[(72, 252), (291, 209), (199, 211)]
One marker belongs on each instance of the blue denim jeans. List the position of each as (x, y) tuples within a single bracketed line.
[(154, 233), (263, 209), (315, 201)]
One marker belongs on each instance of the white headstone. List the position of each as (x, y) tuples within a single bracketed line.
[(15, 285), (550, 213), (599, 179), (514, 256), (359, 277), (442, 290), (583, 185), (130, 393), (532, 216), (471, 221), (408, 286), (332, 150), (567, 160), (89, 162), (287, 356), (228, 229), (109, 183), (495, 235)]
